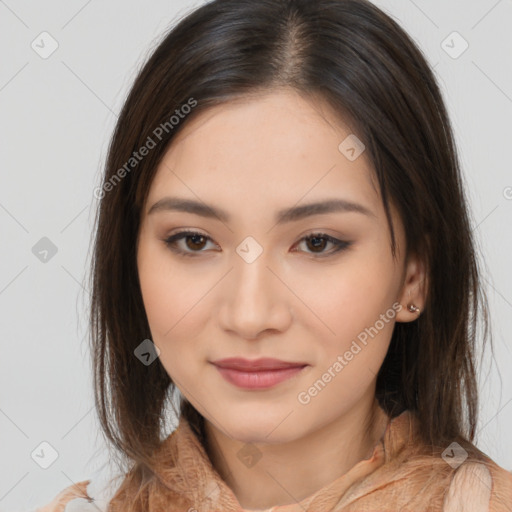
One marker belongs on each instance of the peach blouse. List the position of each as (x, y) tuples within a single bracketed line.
[(400, 475)]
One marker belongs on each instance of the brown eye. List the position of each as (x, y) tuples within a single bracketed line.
[(317, 242), (193, 246), (196, 241)]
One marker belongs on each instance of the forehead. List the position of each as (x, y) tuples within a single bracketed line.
[(271, 147)]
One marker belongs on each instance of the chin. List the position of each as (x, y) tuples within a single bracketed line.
[(254, 427)]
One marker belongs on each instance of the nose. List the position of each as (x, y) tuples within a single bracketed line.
[(254, 299)]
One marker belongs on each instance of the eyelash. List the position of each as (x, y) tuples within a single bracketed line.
[(171, 241)]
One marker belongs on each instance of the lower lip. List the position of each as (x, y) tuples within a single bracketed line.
[(259, 379)]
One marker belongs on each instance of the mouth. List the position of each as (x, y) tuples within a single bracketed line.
[(259, 373)]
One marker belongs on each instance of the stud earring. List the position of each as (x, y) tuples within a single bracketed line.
[(413, 309)]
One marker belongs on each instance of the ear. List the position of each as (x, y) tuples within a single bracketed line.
[(413, 291)]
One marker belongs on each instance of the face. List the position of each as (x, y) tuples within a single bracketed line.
[(318, 288)]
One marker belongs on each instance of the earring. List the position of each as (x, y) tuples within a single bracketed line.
[(413, 309)]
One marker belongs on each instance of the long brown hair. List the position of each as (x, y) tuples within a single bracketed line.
[(376, 79)]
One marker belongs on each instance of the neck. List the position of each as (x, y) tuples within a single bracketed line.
[(318, 458)]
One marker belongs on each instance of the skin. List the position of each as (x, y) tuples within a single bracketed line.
[(253, 157)]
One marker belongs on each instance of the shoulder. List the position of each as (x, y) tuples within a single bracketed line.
[(458, 478), (59, 502), (479, 486), (91, 495)]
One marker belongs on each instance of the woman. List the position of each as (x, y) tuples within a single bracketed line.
[(283, 240)]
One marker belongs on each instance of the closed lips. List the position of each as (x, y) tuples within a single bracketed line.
[(245, 365)]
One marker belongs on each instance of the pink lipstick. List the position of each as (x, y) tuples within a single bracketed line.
[(258, 373)]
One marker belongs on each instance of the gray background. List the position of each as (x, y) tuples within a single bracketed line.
[(57, 115)]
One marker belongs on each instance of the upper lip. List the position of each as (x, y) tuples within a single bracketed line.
[(264, 363)]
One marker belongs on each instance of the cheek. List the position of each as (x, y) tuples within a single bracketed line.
[(353, 314), (168, 292), (358, 309), (177, 303), (348, 296)]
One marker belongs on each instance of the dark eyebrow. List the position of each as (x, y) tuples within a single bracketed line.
[(292, 214)]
